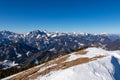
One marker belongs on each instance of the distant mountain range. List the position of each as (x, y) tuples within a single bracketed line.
[(38, 46)]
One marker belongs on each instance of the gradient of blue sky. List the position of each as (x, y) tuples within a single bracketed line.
[(60, 15)]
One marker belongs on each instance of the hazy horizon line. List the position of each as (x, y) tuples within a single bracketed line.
[(60, 31)]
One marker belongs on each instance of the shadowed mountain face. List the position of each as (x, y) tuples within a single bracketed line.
[(42, 45), (116, 66)]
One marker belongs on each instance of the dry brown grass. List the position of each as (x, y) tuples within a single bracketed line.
[(82, 52), (64, 66), (59, 60), (26, 73), (33, 73)]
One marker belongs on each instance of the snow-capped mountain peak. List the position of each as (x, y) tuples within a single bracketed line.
[(49, 44)]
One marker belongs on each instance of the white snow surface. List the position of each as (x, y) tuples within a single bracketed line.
[(28, 53), (38, 36), (9, 64), (91, 52), (96, 70), (100, 69), (106, 68), (18, 55), (44, 68)]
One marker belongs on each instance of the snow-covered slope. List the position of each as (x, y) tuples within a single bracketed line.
[(106, 68), (86, 64)]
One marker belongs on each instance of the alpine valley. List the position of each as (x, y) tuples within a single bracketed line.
[(36, 47)]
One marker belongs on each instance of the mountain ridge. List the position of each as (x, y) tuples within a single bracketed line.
[(15, 47), (88, 63)]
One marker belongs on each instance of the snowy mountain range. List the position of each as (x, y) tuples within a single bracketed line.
[(84, 64), (40, 46)]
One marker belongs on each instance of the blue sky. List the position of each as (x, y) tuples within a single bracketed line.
[(92, 16)]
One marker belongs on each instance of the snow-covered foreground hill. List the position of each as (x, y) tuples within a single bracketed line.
[(86, 64)]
